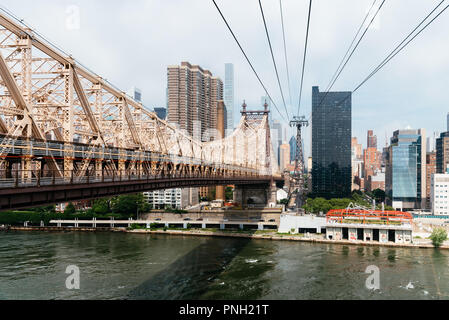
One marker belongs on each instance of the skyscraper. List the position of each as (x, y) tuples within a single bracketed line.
[(372, 159), (442, 156), (161, 113), (284, 156), (331, 143), (192, 104), (430, 170), (293, 146), (193, 95), (276, 138), (371, 141), (357, 165), (405, 179), (135, 93), (229, 96)]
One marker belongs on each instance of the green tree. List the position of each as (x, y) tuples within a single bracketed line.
[(379, 195), (101, 206), (70, 209), (439, 235), (45, 209), (320, 205), (129, 205), (229, 193)]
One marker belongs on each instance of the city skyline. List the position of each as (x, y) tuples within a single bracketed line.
[(384, 113)]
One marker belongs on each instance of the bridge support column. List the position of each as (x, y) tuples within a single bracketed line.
[(26, 169), (222, 226), (272, 194), (121, 169), (184, 225), (99, 169), (166, 225), (203, 226), (68, 162), (260, 226), (241, 226), (257, 195)]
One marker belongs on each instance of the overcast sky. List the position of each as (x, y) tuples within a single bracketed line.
[(130, 43)]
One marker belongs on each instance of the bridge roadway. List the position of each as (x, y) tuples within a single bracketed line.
[(142, 171), (15, 194)]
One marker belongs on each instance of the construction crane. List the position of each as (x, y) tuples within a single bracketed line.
[(297, 179)]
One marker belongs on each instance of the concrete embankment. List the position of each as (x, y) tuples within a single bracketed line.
[(276, 237), (273, 237)]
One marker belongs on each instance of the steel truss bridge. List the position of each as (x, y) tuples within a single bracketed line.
[(67, 134)]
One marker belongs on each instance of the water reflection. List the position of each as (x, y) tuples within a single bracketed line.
[(129, 266)]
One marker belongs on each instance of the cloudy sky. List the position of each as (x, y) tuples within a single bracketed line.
[(130, 43)]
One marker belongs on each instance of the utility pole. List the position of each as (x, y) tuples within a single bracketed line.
[(298, 175)]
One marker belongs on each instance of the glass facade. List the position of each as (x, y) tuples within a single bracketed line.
[(442, 149), (229, 96), (292, 144), (331, 143), (161, 113), (405, 168)]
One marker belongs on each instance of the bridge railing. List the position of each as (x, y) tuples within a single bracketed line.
[(35, 178)]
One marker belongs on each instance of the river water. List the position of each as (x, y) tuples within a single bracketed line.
[(136, 266)]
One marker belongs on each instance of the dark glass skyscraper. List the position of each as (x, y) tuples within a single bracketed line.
[(331, 143)]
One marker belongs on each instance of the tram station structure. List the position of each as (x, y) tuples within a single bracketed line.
[(369, 225)]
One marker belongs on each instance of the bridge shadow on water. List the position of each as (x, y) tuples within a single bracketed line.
[(189, 277)]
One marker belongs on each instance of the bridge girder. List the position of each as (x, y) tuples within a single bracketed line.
[(47, 96)]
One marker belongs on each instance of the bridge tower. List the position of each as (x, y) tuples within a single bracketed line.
[(257, 121), (298, 175)]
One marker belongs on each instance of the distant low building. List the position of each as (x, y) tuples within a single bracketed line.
[(376, 181), (281, 194)]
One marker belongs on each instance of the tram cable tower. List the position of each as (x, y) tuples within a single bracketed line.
[(298, 174)]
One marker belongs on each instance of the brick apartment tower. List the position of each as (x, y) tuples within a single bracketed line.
[(431, 168), (193, 95), (371, 158), (221, 127)]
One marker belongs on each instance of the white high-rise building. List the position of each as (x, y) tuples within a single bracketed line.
[(439, 194), (135, 93), (431, 142)]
